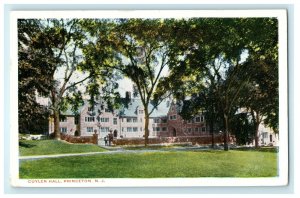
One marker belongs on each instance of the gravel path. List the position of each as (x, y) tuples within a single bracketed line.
[(35, 157)]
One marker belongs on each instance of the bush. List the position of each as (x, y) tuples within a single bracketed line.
[(51, 136)]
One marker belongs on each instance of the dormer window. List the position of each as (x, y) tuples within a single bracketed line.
[(172, 117), (63, 119)]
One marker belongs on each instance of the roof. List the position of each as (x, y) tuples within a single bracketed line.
[(130, 109), (71, 113), (161, 110)]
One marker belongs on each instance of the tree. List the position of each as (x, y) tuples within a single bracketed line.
[(33, 71), (242, 128), (56, 48), (260, 96), (140, 49), (219, 66)]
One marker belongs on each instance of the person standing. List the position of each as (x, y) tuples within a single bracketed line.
[(105, 140), (110, 138)]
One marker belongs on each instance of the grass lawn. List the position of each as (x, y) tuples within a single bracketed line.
[(155, 165), (47, 147)]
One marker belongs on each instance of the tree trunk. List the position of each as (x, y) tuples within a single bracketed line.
[(146, 127), (56, 125), (226, 147), (256, 134), (257, 120), (211, 130)]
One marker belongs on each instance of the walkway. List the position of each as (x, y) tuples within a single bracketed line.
[(35, 157), (114, 150)]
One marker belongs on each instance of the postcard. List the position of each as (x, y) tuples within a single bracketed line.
[(148, 98)]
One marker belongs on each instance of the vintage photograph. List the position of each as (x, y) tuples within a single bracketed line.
[(153, 96)]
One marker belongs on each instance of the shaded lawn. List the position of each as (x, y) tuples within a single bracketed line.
[(46, 147), (155, 165)]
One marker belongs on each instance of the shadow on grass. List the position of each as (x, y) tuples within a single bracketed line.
[(25, 145), (260, 149)]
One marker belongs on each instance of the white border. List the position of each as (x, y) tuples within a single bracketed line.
[(283, 126)]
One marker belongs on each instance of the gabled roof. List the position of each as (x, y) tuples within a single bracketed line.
[(128, 109), (132, 110), (161, 110), (69, 111)]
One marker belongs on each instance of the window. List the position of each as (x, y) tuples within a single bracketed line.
[(115, 121), (134, 120), (89, 129), (163, 120), (156, 129), (104, 119), (63, 119), (203, 129), (104, 129), (202, 118), (196, 129), (173, 117), (141, 111), (122, 129), (164, 128), (63, 129), (141, 120), (189, 130), (197, 119), (89, 119), (129, 120), (265, 135), (129, 129), (156, 120), (189, 121), (76, 120), (141, 128), (135, 129)]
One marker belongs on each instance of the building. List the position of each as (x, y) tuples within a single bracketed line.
[(266, 136), (128, 121), (177, 126)]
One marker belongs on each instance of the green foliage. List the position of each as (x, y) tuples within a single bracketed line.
[(242, 128), (210, 72), (217, 63), (33, 71)]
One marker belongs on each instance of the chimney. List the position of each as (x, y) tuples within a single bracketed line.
[(168, 103), (128, 95)]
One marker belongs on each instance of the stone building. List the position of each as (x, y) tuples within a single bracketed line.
[(128, 121)]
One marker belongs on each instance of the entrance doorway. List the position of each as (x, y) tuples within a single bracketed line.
[(115, 133), (174, 132)]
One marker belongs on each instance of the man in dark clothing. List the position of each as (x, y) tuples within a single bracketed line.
[(105, 140), (110, 138)]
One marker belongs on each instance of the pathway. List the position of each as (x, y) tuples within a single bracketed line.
[(112, 150), (35, 157)]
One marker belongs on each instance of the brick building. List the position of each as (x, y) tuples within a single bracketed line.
[(128, 121)]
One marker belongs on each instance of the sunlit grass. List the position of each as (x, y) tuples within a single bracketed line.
[(156, 165), (46, 147)]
